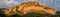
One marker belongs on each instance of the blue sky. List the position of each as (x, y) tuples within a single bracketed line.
[(11, 3)]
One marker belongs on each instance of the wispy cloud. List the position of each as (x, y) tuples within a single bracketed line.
[(8, 3)]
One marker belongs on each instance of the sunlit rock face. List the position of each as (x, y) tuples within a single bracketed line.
[(28, 7)]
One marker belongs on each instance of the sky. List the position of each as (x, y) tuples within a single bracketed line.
[(11, 3)]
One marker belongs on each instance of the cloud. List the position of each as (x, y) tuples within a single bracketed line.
[(8, 3)]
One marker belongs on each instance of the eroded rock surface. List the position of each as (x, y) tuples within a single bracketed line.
[(28, 7)]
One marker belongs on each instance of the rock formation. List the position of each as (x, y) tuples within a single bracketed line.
[(28, 7)]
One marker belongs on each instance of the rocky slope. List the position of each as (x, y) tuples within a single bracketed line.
[(28, 7)]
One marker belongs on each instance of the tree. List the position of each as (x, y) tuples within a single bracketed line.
[(31, 15), (58, 13), (1, 12)]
